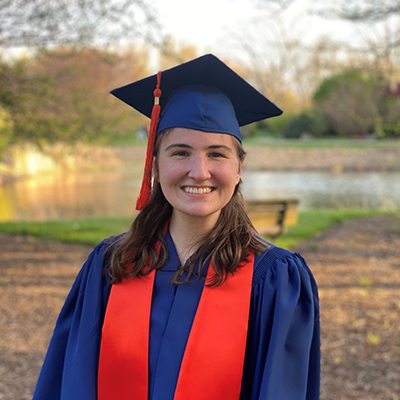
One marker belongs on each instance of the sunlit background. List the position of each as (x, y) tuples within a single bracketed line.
[(333, 67)]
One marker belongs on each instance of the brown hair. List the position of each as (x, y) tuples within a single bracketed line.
[(228, 243)]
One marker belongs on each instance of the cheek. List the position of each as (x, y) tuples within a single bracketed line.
[(169, 172), (229, 176)]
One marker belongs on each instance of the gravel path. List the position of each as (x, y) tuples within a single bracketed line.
[(356, 264), (357, 267)]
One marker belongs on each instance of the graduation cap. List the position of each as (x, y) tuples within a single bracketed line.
[(203, 94)]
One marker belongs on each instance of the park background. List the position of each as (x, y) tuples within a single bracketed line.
[(71, 156)]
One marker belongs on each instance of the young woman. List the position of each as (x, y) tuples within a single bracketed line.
[(190, 303)]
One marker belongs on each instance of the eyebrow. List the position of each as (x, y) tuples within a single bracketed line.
[(186, 146)]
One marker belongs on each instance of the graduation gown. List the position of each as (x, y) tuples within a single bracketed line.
[(282, 359)]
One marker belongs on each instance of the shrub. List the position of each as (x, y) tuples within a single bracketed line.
[(354, 102), (312, 122), (279, 124)]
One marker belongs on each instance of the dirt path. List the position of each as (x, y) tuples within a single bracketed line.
[(356, 264), (357, 267), (35, 279)]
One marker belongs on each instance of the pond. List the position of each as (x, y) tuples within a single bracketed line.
[(114, 192)]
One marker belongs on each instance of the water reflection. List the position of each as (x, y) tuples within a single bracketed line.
[(326, 190), (89, 194), (113, 193)]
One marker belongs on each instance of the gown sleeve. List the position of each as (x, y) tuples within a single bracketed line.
[(283, 345), (75, 343)]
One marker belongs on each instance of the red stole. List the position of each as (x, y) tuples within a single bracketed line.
[(212, 365)]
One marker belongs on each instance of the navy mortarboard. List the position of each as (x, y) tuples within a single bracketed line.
[(203, 94)]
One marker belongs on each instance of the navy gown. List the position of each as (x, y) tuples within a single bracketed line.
[(282, 359)]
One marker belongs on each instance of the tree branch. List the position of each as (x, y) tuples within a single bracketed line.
[(38, 23)]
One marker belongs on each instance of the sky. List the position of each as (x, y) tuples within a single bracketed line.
[(204, 22), (218, 25)]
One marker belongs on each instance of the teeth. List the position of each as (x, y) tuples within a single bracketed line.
[(194, 190)]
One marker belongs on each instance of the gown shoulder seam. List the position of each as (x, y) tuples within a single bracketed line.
[(267, 262)]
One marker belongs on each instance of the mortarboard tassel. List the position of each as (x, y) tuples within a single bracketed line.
[(145, 191)]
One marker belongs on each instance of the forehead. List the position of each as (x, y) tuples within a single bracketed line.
[(194, 137)]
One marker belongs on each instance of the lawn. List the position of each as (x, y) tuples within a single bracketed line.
[(92, 231)]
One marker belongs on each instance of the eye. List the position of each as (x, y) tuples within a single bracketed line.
[(217, 155), (180, 153)]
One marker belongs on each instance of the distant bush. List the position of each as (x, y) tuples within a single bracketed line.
[(248, 130), (391, 129), (274, 127), (355, 103), (391, 120), (259, 129), (312, 122), (279, 124)]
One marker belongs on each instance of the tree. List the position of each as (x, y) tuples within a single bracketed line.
[(366, 11), (363, 10), (6, 129), (172, 54), (43, 23), (63, 94), (270, 66), (354, 102), (19, 94), (309, 122), (357, 11)]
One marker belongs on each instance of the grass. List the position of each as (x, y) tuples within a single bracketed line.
[(85, 231), (314, 222), (92, 231)]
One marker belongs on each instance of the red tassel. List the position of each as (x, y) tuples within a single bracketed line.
[(145, 191)]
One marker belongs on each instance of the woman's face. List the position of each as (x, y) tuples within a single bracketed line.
[(197, 171)]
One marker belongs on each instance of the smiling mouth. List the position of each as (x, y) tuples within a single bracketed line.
[(197, 190)]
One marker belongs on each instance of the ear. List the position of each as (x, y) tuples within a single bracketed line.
[(156, 172), (239, 174)]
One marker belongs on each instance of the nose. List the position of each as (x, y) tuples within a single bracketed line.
[(199, 169)]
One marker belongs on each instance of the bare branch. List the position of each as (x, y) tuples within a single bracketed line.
[(360, 10), (41, 23)]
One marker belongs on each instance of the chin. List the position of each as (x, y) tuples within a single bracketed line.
[(200, 213)]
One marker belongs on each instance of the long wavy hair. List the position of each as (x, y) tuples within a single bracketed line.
[(143, 248)]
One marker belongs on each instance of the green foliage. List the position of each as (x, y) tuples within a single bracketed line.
[(6, 129), (355, 103), (63, 95), (261, 128), (329, 85), (21, 94), (392, 129), (312, 122), (391, 123), (248, 130), (279, 124)]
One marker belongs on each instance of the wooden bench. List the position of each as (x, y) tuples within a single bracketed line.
[(271, 217)]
